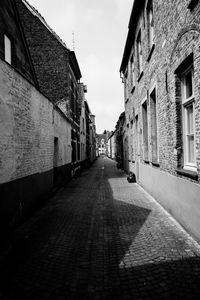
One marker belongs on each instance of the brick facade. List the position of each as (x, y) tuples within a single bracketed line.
[(29, 122), (49, 54), (35, 134), (159, 87), (56, 68), (112, 146)]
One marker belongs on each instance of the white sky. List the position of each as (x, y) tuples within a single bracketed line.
[(100, 29)]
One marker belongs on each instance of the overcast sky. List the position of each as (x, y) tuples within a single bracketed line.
[(100, 28)]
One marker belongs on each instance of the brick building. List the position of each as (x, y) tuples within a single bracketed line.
[(102, 142), (57, 71), (87, 130), (112, 145), (87, 123), (82, 91), (160, 69), (92, 138), (35, 135), (119, 133)]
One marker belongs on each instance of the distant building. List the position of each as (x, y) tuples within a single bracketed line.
[(87, 130), (87, 118), (83, 90), (119, 133), (92, 138), (160, 70), (112, 150), (102, 145), (102, 142)]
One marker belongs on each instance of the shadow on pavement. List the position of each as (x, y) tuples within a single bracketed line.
[(87, 248)]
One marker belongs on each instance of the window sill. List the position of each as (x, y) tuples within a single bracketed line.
[(155, 164), (151, 52), (187, 173), (140, 76), (146, 161)]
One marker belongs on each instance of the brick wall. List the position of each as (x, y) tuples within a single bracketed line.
[(177, 35), (28, 126), (50, 57)]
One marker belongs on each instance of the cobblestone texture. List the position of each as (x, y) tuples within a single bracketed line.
[(100, 237)]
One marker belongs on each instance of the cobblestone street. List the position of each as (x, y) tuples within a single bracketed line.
[(100, 237)]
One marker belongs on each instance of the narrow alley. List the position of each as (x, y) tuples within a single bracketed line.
[(100, 237)]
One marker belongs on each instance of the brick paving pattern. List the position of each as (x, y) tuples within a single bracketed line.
[(100, 237)]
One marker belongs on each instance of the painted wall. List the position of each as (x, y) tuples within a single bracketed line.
[(27, 132), (62, 155), (179, 196)]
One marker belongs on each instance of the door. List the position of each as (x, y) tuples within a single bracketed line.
[(55, 163)]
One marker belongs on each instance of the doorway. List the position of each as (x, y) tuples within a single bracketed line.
[(55, 162)]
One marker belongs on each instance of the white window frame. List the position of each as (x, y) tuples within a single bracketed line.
[(185, 103), (7, 49), (154, 87), (126, 85), (139, 51), (137, 131), (132, 63), (150, 18), (143, 101)]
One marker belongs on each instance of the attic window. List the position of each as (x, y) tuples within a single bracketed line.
[(192, 4), (7, 49)]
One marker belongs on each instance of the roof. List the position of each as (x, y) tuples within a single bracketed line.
[(39, 16), (135, 14), (74, 65), (87, 107)]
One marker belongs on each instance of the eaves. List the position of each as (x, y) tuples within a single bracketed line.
[(135, 14)]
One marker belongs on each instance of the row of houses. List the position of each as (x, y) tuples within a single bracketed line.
[(47, 130), (102, 141), (158, 136)]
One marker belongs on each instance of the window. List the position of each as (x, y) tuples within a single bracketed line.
[(154, 133), (7, 49), (83, 122), (137, 135), (139, 52), (78, 150), (126, 85), (145, 131), (132, 71), (188, 118), (150, 22)]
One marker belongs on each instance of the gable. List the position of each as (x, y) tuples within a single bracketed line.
[(10, 27)]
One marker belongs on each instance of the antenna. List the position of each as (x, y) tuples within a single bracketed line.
[(73, 41)]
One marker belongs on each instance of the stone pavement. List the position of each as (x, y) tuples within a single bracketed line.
[(100, 237)]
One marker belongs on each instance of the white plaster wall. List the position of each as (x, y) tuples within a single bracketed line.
[(62, 130), (27, 129), (180, 197)]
